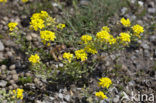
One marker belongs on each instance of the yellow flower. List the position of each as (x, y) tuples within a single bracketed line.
[(105, 82), (14, 91), (125, 37), (125, 22), (37, 24), (12, 25), (112, 40), (68, 56), (4, 1), (61, 26), (106, 28), (41, 20), (47, 35), (44, 14), (81, 54), (24, 1), (86, 38), (18, 93), (137, 29), (34, 59), (90, 49), (103, 36), (101, 95)]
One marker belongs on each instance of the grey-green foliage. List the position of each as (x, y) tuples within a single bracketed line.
[(6, 96), (90, 18)]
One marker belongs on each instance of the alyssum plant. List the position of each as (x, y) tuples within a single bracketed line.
[(75, 63)]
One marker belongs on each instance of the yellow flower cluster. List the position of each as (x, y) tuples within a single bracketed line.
[(125, 22), (112, 40), (86, 38), (36, 22), (105, 36), (12, 25), (68, 56), (137, 29), (24, 1), (105, 82), (41, 20), (81, 54), (125, 37), (90, 49), (19, 93), (106, 28), (34, 59), (101, 95), (3, 1), (61, 26), (47, 36)]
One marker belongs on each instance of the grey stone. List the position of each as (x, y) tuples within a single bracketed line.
[(9, 43), (146, 53), (60, 65), (67, 98), (34, 35), (3, 67), (151, 4), (13, 72), (113, 57), (140, 22), (123, 10), (12, 82), (3, 76), (152, 39), (1, 46), (9, 53), (3, 83), (51, 98), (12, 67), (60, 95), (132, 1), (131, 83), (36, 81), (116, 99), (15, 77), (141, 3), (107, 63), (28, 74), (15, 86), (151, 10), (10, 87), (8, 77), (28, 37), (145, 46)]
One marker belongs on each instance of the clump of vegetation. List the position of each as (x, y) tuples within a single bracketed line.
[(13, 96), (24, 80), (75, 65)]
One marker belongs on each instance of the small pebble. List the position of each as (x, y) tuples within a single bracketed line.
[(15, 77), (3, 67), (12, 67)]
